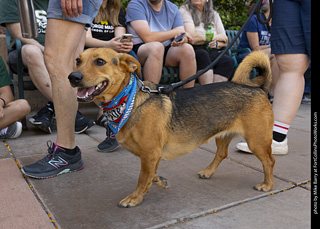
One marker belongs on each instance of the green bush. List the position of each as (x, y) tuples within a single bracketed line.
[(233, 13)]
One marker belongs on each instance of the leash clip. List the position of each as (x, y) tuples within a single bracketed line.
[(160, 89), (148, 90)]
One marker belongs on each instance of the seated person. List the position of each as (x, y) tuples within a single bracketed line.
[(10, 111), (256, 36), (105, 31), (107, 28), (197, 16), (154, 24), (32, 58)]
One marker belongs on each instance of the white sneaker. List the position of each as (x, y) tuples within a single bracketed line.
[(278, 148), (12, 131)]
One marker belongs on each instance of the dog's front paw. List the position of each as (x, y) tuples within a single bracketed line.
[(130, 201), (161, 182), (264, 187), (205, 174)]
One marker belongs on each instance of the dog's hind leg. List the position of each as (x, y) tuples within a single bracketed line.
[(149, 165), (262, 149), (222, 153)]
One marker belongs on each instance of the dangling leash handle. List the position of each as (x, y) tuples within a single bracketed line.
[(168, 89), (258, 11)]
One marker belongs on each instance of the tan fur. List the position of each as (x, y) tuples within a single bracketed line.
[(165, 127), (255, 59)]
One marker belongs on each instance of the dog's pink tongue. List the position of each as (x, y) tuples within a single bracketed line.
[(83, 91)]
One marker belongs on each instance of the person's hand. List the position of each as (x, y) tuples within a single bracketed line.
[(72, 8), (187, 39), (126, 46), (213, 44), (114, 44), (120, 46)]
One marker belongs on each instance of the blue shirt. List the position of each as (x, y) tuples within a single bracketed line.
[(166, 19), (256, 27)]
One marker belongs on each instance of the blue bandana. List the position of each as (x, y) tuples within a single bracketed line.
[(118, 110)]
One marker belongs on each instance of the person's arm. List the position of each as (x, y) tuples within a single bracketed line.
[(119, 30), (253, 38), (96, 43), (6, 94), (197, 39), (15, 32), (221, 36), (6, 97), (113, 43), (142, 29), (5, 89)]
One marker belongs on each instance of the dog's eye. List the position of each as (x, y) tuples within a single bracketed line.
[(99, 62), (78, 61)]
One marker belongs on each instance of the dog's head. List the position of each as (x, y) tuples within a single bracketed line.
[(102, 73)]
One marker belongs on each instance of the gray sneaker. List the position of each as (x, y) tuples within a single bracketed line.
[(13, 131)]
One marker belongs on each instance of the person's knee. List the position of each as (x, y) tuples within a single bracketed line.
[(21, 106), (31, 54), (183, 54), (295, 63), (187, 51), (229, 62), (153, 50), (24, 106)]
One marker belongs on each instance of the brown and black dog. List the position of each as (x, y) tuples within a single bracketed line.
[(169, 126)]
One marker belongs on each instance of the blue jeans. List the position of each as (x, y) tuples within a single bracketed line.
[(90, 10)]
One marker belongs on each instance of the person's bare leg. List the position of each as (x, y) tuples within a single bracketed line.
[(206, 78), (184, 57), (61, 47), (219, 78), (290, 85), (275, 74), (14, 111), (150, 56), (32, 58)]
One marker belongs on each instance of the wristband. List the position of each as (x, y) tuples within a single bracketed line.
[(4, 102)]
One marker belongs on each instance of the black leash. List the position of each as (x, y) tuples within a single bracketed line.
[(168, 89)]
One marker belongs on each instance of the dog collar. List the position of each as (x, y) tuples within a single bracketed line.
[(118, 110)]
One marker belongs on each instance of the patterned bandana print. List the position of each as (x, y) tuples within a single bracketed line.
[(118, 110)]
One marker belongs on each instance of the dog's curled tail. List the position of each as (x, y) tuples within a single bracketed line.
[(260, 61)]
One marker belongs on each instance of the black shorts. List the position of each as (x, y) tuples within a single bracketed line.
[(166, 49), (13, 62), (224, 67), (291, 27)]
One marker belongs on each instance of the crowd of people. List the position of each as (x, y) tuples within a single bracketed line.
[(154, 25)]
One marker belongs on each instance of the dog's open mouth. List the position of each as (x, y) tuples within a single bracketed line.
[(87, 94)]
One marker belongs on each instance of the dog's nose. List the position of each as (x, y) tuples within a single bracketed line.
[(75, 78)]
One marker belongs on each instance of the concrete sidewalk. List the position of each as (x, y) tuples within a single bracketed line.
[(89, 198)]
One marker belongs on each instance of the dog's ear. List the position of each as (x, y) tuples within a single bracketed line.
[(130, 63)]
